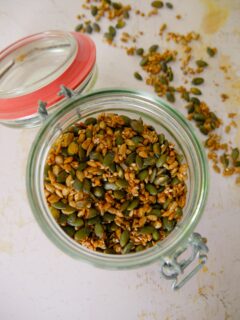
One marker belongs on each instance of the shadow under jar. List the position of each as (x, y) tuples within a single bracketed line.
[(165, 120)]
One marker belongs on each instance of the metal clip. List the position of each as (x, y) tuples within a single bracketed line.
[(42, 110), (66, 92), (171, 268)]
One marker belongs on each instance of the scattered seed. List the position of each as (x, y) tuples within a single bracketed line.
[(138, 76), (197, 81), (157, 4), (201, 63), (140, 51), (211, 51), (169, 5)]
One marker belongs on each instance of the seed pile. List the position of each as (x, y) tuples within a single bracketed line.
[(158, 72), (114, 184)]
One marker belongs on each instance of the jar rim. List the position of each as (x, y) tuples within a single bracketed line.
[(164, 248)]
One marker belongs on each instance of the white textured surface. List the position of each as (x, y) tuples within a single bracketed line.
[(37, 281)]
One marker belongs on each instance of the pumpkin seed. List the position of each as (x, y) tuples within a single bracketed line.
[(87, 185), (82, 234), (119, 194), (197, 81), (61, 178), (81, 154), (156, 235), (133, 204), (170, 96), (199, 117), (169, 5), (99, 192), (156, 149), (96, 27), (96, 156), (93, 221), (130, 158), (235, 154), (150, 161), (142, 175), (94, 10), (126, 15), (126, 120), (144, 61), (119, 140), (201, 63), (153, 175), (59, 205), (74, 221), (140, 51), (157, 4), (69, 231), (55, 213), (137, 76), (168, 225), (79, 27), (73, 148), (112, 31), (211, 51), (196, 91), (139, 248), (185, 96), (82, 166), (161, 138), (124, 238), (108, 159), (166, 204), (156, 212), (178, 213), (92, 212), (89, 28), (117, 5), (90, 121), (161, 160), (120, 24), (68, 210), (161, 180), (146, 230), (99, 231), (62, 220), (128, 248), (151, 189), (139, 162), (108, 217), (137, 140), (153, 48), (124, 205)]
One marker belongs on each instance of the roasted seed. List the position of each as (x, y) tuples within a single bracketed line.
[(157, 4), (161, 160), (108, 159), (68, 210), (196, 91), (74, 221), (151, 189), (169, 5), (59, 205), (90, 121), (197, 81), (201, 63), (133, 204), (211, 51), (168, 225), (156, 235), (69, 231), (140, 51), (128, 248), (94, 10), (235, 154), (119, 194), (121, 183), (120, 24), (153, 48), (144, 61), (82, 234), (124, 238), (130, 158), (99, 231), (87, 185), (137, 76), (143, 175), (146, 230), (96, 27), (99, 192), (139, 162)]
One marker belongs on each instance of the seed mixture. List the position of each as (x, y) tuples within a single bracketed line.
[(114, 184), (157, 69)]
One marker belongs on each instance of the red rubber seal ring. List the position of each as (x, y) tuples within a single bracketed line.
[(26, 105)]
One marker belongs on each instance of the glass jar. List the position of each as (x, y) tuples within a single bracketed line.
[(157, 113)]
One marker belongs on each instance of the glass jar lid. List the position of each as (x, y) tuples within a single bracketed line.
[(35, 67)]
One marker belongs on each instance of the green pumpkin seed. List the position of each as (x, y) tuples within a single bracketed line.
[(92, 212), (133, 204), (179, 158), (140, 51), (201, 63), (175, 181), (55, 213), (112, 31), (73, 148), (166, 204), (96, 156), (99, 231), (130, 158), (94, 10), (137, 140), (124, 206), (151, 189), (168, 225), (79, 27), (96, 27), (62, 221), (156, 149), (82, 166), (151, 161), (142, 175), (195, 101), (139, 248), (155, 235), (74, 221), (90, 121), (197, 81), (99, 192), (93, 221), (161, 160), (124, 238), (81, 154), (108, 217), (144, 61), (108, 36), (126, 120), (146, 230), (199, 117), (87, 185), (61, 178), (119, 140), (108, 159), (77, 185), (137, 76), (82, 234), (128, 248), (178, 213), (211, 51), (156, 212), (170, 96), (153, 48), (161, 138), (139, 162), (157, 4), (69, 231), (89, 28), (120, 24), (121, 183), (169, 5), (235, 154), (68, 210), (119, 194), (117, 5), (185, 96), (89, 133), (59, 205), (196, 91)]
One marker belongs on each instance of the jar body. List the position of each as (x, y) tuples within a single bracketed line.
[(164, 119)]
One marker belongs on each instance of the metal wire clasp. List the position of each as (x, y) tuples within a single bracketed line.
[(171, 268)]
